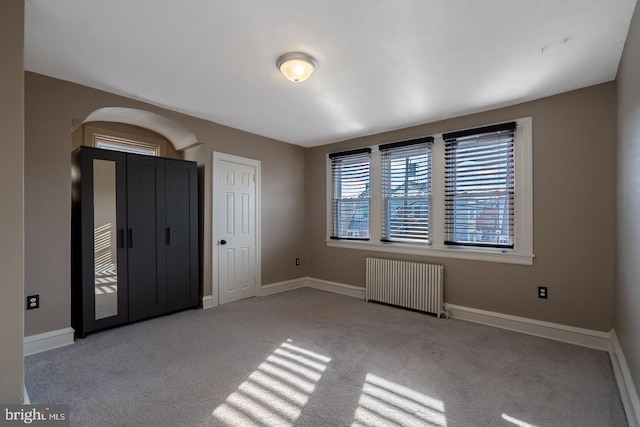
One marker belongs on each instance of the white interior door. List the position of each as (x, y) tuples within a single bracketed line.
[(236, 230)]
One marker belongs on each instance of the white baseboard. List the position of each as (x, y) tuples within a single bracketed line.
[(628, 392), (207, 302), (278, 287), (48, 341), (555, 331), (309, 282), (569, 334), (338, 288)]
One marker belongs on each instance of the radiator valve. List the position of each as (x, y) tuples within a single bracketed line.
[(445, 312)]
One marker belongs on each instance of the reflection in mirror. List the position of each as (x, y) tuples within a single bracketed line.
[(104, 238)]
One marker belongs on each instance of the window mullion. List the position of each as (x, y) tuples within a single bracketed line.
[(377, 200), (437, 192)]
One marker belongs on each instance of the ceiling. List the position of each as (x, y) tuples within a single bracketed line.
[(382, 64)]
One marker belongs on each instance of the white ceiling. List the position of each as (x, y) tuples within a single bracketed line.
[(382, 64)]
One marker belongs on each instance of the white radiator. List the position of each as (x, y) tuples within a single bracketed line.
[(413, 285)]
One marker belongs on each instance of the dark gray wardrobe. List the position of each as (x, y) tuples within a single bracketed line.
[(134, 238)]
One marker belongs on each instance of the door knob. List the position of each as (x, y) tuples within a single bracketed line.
[(223, 242)]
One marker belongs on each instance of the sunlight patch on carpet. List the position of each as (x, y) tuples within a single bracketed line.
[(275, 393), (384, 403), (516, 421)]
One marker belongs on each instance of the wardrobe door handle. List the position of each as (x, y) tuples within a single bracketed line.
[(131, 237), (120, 238), (168, 235)]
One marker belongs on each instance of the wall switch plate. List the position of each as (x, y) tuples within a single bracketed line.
[(297, 261), (542, 292), (33, 301)]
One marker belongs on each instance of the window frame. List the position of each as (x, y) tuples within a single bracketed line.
[(335, 203), (521, 254), (420, 147), (468, 178), (126, 145)]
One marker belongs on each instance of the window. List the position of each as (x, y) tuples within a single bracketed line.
[(350, 202), (126, 145), (465, 195), (406, 191), (479, 186)]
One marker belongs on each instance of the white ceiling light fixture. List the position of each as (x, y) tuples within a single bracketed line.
[(296, 66)]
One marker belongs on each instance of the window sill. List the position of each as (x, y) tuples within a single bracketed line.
[(489, 255)]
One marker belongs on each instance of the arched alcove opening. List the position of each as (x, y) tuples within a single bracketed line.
[(179, 136)]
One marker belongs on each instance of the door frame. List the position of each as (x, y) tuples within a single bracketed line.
[(257, 165)]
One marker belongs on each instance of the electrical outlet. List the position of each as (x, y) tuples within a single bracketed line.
[(33, 301), (297, 261), (542, 292)]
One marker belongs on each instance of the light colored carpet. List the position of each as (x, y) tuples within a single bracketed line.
[(312, 358)]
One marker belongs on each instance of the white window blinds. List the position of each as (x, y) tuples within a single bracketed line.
[(351, 183), (406, 191), (479, 186)]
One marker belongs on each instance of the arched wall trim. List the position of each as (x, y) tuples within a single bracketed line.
[(179, 136)]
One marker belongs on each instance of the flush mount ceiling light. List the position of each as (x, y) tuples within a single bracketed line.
[(296, 66)]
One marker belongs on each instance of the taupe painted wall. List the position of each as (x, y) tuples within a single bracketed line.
[(574, 205), (574, 154), (627, 307), (51, 106), (12, 194)]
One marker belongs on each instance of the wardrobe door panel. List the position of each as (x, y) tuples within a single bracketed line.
[(145, 236), (181, 235), (99, 261)]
